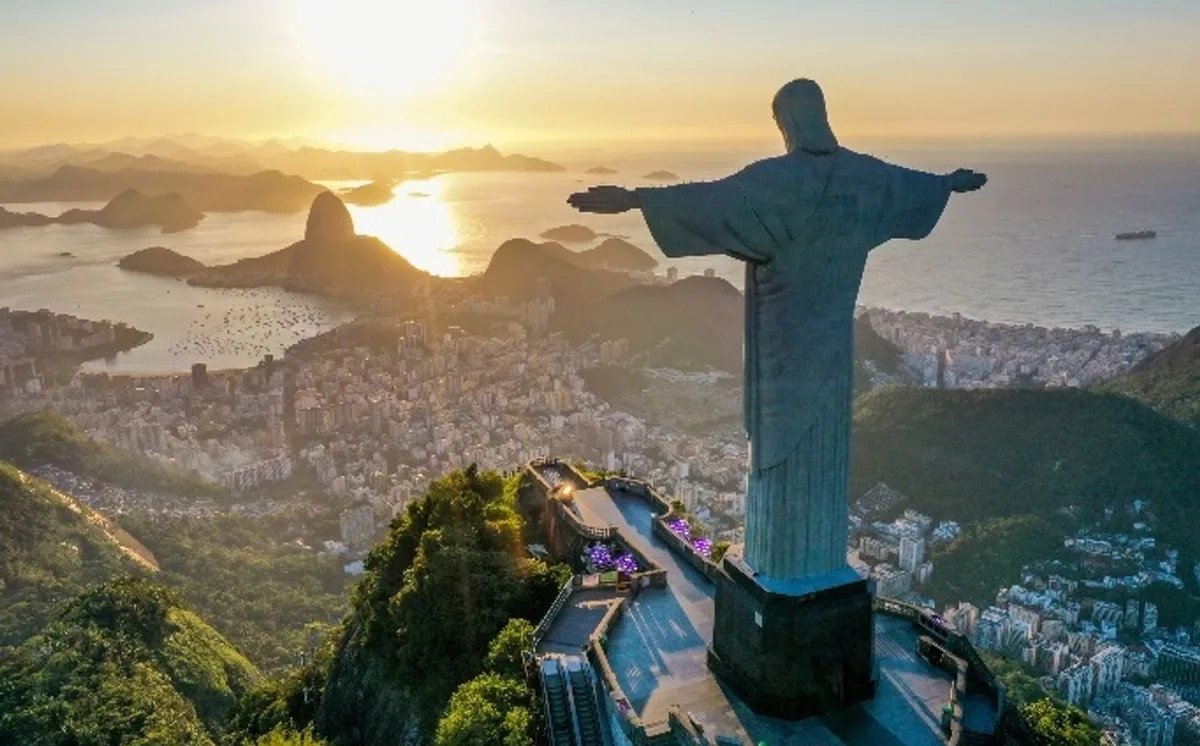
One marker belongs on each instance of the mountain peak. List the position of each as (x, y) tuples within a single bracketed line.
[(329, 222)]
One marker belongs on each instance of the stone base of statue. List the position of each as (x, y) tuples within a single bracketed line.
[(797, 648)]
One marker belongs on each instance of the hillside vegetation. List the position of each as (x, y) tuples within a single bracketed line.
[(446, 580), (36, 439), (1169, 381), (1005, 462), (50, 551), (263, 593), (126, 663)]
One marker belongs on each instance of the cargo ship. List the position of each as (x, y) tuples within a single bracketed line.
[(1135, 235)]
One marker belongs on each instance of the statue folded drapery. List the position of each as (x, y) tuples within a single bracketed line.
[(803, 223)]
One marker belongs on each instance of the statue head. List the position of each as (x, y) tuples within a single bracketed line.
[(799, 110)]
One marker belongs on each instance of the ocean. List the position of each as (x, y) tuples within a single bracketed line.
[(1034, 246)]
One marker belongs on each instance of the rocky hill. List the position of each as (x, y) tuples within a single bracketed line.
[(616, 254), (159, 260), (132, 209), (9, 219), (124, 663), (331, 259), (518, 263), (1169, 381), (573, 233), (694, 323), (371, 193)]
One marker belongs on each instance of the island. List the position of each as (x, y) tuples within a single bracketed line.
[(370, 194), (330, 260), (661, 176), (159, 260), (132, 209), (129, 209), (602, 170), (573, 233), (22, 219)]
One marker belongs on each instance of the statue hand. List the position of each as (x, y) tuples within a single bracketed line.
[(604, 199), (966, 180)]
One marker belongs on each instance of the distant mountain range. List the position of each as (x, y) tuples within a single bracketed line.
[(198, 154), (129, 209), (268, 191)]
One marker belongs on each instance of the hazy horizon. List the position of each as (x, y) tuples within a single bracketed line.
[(535, 74)]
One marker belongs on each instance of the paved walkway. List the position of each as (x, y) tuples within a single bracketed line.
[(659, 654), (577, 621)]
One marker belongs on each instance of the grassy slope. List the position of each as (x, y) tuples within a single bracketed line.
[(49, 552)]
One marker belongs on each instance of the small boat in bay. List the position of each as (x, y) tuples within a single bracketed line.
[(1135, 235)]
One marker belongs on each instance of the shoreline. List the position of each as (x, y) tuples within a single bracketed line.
[(939, 319)]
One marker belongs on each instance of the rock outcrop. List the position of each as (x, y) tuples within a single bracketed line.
[(331, 260), (159, 260), (573, 233)]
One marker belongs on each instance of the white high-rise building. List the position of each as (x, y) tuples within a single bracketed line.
[(1107, 666), (912, 553)]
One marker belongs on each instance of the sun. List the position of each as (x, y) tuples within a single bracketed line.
[(385, 47)]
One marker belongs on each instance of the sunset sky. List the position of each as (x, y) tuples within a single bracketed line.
[(518, 72)]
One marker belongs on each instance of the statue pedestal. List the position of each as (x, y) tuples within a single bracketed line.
[(793, 649)]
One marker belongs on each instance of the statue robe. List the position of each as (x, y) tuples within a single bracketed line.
[(803, 223)]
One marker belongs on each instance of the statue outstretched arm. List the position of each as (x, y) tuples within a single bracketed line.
[(965, 180), (693, 219), (605, 199)]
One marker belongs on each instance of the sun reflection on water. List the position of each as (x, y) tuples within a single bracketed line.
[(418, 224)]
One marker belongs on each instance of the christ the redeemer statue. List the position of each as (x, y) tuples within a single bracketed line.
[(793, 623), (803, 223)]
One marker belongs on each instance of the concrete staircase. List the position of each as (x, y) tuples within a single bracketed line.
[(573, 716)]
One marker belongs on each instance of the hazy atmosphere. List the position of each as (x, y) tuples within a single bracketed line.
[(417, 75), (531, 373)]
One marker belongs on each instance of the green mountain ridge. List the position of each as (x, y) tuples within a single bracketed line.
[(125, 663), (1007, 464), (34, 439), (447, 579), (51, 549), (1169, 380)]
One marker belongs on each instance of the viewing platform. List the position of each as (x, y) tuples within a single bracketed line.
[(648, 644)]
